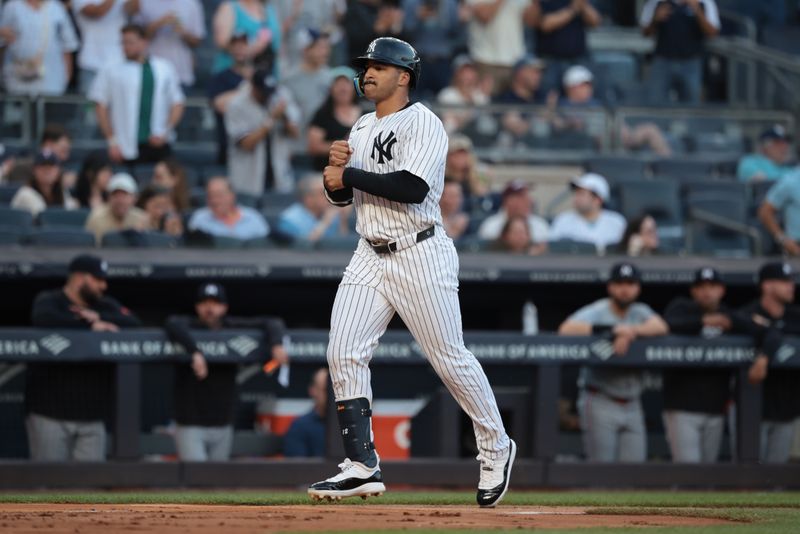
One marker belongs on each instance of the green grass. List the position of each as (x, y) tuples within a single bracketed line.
[(751, 512)]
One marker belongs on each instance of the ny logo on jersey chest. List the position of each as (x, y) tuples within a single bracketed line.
[(383, 147)]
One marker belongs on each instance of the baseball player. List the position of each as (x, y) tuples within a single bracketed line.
[(392, 170)]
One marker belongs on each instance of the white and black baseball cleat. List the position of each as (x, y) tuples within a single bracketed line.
[(354, 480), (495, 476)]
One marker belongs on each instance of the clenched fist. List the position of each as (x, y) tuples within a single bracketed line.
[(339, 154), (332, 177)]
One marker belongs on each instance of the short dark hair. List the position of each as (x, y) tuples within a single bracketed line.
[(53, 132), (138, 29)]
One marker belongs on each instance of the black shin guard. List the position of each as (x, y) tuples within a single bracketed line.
[(354, 421)]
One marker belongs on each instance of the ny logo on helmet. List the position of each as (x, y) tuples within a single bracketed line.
[(383, 147)]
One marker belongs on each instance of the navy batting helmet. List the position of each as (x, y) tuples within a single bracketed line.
[(392, 52)]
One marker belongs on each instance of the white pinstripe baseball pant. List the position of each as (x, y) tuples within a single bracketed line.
[(420, 283)]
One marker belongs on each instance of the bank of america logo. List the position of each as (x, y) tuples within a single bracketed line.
[(55, 343), (602, 349), (243, 345), (784, 353)]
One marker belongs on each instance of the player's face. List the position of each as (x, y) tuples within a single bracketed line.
[(708, 295), (624, 293), (780, 290), (381, 80), (210, 311)]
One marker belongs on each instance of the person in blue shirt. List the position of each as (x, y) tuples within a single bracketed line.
[(312, 217), (770, 162), (306, 435), (783, 199), (224, 217)]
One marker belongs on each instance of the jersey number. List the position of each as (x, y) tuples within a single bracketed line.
[(383, 147)]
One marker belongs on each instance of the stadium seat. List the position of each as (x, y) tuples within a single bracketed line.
[(14, 218), (209, 171), (272, 199), (682, 169), (706, 238), (784, 38), (472, 243), (612, 167), (723, 187), (135, 239), (568, 246), (659, 198), (248, 200), (66, 237), (10, 236), (143, 173), (223, 242), (7, 192), (194, 155), (260, 243), (60, 217)]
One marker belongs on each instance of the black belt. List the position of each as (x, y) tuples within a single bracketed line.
[(386, 248)]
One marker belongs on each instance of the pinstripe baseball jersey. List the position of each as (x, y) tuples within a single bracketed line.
[(412, 139)]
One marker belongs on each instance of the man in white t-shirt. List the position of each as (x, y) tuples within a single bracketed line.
[(100, 22), (588, 222), (496, 37), (138, 102), (175, 28), (517, 202)]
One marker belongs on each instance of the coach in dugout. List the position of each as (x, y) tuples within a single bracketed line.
[(609, 402), (768, 320), (695, 398), (66, 404), (205, 395)]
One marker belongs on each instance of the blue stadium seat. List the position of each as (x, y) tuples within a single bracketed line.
[(260, 243), (60, 217), (246, 199), (348, 242), (568, 246), (786, 38), (723, 187), (11, 236), (274, 199), (14, 218), (658, 198), (135, 239), (709, 239), (7, 192), (683, 169), (615, 166), (66, 237)]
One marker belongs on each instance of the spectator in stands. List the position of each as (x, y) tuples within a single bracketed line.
[(466, 90), (43, 189), (156, 202), (768, 320), (223, 87), (783, 203), (462, 166), (171, 176), (138, 102), (67, 403), (680, 27), (367, 20), (313, 218), (8, 160), (259, 21), (640, 237), (119, 213), (695, 398), (259, 119), (609, 402), (223, 217), (37, 48), (770, 163), (496, 36), (325, 15), (579, 95), (91, 186), (515, 238), (310, 81), (175, 28), (561, 36), (454, 219), (517, 201), (99, 23), (306, 434), (205, 394), (434, 27), (57, 140), (334, 119), (525, 90), (588, 222)]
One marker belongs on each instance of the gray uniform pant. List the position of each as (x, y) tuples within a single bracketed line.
[(56, 440), (613, 431), (204, 443), (693, 437), (776, 441)]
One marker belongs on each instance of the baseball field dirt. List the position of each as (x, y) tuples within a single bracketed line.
[(207, 519)]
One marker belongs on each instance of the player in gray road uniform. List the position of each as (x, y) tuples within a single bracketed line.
[(609, 406), (392, 169)]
